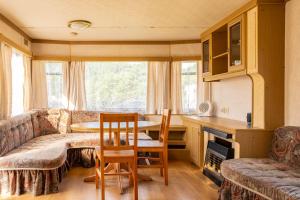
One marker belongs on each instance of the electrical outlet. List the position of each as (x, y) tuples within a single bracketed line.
[(225, 110)]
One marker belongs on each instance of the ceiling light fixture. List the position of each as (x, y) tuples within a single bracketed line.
[(79, 24)]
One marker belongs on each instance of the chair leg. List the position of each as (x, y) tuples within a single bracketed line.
[(135, 179), (161, 162), (165, 155), (130, 176), (102, 180), (97, 176)]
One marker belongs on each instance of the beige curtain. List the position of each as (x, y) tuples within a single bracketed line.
[(39, 85), (203, 88), (27, 83), (74, 86), (158, 87), (176, 96), (5, 81), (66, 84)]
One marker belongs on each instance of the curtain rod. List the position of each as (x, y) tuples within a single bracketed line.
[(89, 58)]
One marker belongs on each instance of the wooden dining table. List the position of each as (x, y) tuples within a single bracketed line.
[(95, 127)]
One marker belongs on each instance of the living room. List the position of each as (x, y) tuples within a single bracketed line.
[(155, 100)]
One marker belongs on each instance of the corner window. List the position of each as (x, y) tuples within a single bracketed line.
[(54, 76), (189, 86)]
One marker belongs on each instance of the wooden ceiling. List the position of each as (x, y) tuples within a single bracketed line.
[(118, 20)]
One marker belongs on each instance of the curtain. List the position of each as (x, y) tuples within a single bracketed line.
[(66, 84), (176, 96), (5, 81), (203, 88), (27, 83), (39, 85), (74, 86), (158, 87)]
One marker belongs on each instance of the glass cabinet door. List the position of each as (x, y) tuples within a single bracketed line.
[(235, 29), (235, 44), (206, 56)]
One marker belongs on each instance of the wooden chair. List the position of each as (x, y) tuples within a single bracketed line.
[(117, 153), (158, 146)]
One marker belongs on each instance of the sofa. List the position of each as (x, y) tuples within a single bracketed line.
[(276, 177), (38, 148)]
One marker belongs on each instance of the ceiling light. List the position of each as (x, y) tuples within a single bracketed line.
[(79, 24)]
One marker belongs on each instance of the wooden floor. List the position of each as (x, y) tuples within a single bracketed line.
[(186, 182)]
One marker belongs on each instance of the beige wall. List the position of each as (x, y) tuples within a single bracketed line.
[(234, 94), (40, 49), (13, 35), (292, 63)]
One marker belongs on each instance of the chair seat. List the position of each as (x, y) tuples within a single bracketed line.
[(113, 153)]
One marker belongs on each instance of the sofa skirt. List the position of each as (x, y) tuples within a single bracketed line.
[(231, 191), (41, 182)]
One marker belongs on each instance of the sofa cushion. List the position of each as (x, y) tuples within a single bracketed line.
[(48, 151), (268, 177), (286, 145), (15, 132), (84, 116), (49, 120), (5, 128), (65, 121), (44, 152)]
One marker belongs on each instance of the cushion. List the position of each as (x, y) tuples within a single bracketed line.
[(266, 176), (48, 151), (84, 116), (286, 145), (45, 152), (15, 132)]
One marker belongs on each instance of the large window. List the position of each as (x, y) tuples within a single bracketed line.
[(17, 83), (54, 77), (116, 86), (189, 86)]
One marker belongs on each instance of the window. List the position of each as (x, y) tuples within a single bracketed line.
[(116, 86), (54, 77), (189, 86), (17, 83)]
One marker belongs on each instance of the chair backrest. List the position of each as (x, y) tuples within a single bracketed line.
[(164, 127), (114, 124)]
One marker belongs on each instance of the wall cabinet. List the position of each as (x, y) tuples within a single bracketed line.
[(254, 35), (224, 49)]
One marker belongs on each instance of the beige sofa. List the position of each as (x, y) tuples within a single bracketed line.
[(37, 149)]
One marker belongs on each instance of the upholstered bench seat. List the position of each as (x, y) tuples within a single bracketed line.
[(267, 177), (46, 152), (276, 177), (38, 148)]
